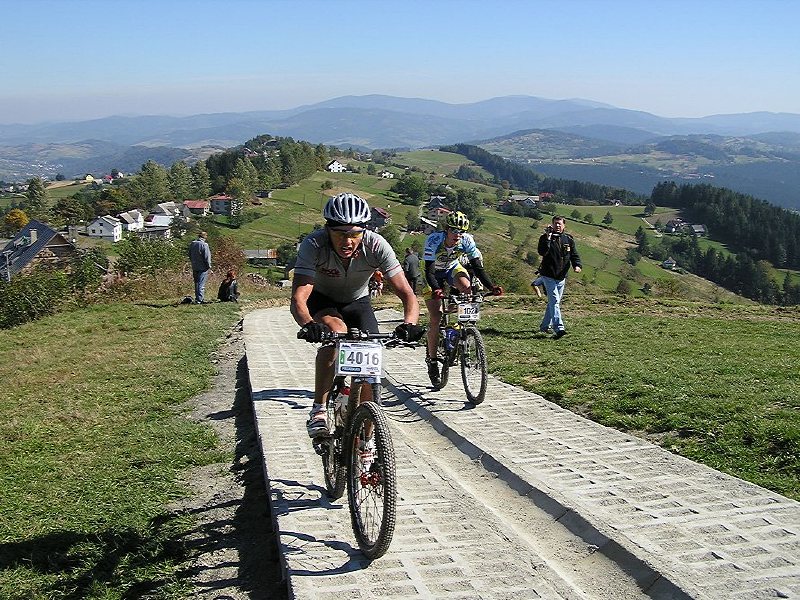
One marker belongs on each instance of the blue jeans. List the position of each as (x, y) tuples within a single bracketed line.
[(200, 278), (552, 315)]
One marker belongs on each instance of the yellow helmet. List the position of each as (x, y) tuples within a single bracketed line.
[(457, 220)]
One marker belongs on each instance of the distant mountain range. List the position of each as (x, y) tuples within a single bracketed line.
[(362, 122)]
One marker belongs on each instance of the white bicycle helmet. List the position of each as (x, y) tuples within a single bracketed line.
[(348, 209)]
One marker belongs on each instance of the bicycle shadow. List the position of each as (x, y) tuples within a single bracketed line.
[(303, 544), (294, 398)]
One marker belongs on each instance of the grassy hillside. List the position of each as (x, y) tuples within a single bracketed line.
[(295, 210)]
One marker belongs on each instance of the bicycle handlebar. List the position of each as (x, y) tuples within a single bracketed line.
[(356, 335)]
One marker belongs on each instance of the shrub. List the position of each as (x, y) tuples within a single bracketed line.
[(137, 255), (227, 255), (29, 297), (509, 273)]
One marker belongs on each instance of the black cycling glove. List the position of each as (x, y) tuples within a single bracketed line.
[(408, 332), (315, 332)]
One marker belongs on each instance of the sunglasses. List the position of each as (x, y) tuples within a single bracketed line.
[(455, 231), (348, 233)]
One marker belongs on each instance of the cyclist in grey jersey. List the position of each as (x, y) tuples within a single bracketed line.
[(318, 259), (330, 290)]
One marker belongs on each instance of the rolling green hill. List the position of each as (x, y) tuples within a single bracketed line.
[(504, 239)]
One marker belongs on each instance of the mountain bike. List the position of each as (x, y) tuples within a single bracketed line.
[(357, 451), (459, 339)]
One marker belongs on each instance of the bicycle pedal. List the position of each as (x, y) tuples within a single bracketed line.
[(320, 446)]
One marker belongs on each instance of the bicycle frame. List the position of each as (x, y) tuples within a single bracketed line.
[(458, 340), (359, 442)]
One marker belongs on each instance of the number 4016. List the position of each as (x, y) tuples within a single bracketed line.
[(363, 358)]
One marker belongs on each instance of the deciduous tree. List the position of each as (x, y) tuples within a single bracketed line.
[(15, 220)]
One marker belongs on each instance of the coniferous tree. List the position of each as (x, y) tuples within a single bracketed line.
[(36, 198), (201, 180), (180, 181)]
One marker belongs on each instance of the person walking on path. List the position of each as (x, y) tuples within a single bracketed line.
[(200, 256), (411, 268), (558, 252)]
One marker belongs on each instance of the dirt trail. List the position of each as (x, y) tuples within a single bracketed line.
[(232, 541)]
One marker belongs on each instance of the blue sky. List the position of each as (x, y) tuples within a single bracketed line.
[(80, 59)]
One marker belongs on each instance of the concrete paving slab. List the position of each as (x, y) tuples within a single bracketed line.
[(682, 529)]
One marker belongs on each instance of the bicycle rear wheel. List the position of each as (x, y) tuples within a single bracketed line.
[(334, 468), (331, 449), (473, 365), (371, 479)]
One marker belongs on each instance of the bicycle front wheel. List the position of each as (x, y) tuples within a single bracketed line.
[(371, 480), (473, 365), (443, 358)]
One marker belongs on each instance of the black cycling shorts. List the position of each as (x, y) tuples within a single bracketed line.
[(358, 313)]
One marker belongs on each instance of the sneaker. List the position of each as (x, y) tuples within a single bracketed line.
[(433, 371), (559, 334), (366, 452), (545, 331), (317, 423)]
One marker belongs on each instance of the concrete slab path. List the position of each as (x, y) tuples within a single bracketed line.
[(679, 529)]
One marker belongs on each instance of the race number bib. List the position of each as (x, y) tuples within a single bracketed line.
[(469, 312), (359, 358)]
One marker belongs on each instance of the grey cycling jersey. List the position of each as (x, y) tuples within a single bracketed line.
[(317, 259)]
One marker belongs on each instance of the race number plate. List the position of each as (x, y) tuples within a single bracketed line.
[(470, 311), (359, 358)]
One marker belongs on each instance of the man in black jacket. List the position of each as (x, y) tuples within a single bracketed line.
[(558, 252)]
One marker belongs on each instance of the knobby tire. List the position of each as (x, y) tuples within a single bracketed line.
[(372, 494), (473, 365), (334, 463), (443, 357)]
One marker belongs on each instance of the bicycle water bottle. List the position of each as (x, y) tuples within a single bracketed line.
[(340, 403), (450, 338)]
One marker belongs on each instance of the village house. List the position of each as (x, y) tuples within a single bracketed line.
[(36, 244), (158, 220), (197, 208), (262, 257), (438, 214), (525, 200), (380, 218), (155, 233), (106, 228), (222, 204), (674, 225), (669, 264), (167, 208), (428, 226), (132, 220), (385, 174), (698, 230), (336, 167), (506, 207)]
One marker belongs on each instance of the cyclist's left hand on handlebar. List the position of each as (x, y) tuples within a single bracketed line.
[(408, 332), (314, 332), (497, 290)]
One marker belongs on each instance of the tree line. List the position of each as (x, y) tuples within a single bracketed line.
[(522, 177), (752, 226), (739, 273)]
